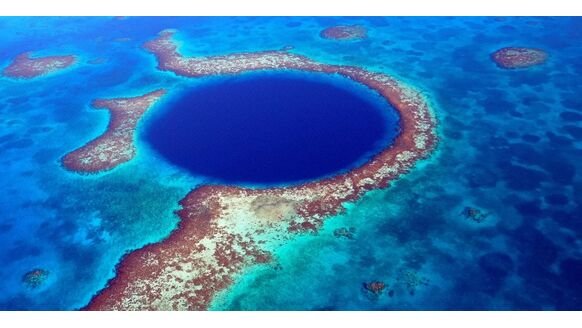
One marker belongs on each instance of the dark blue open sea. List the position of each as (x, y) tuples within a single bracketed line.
[(272, 128), (510, 147)]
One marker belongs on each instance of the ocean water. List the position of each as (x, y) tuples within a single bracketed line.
[(510, 145), (273, 128)]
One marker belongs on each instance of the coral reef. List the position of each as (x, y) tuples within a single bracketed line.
[(224, 230), (375, 287), (344, 232), (411, 280), (35, 278), (474, 214), (97, 61), (115, 146), (511, 57), (344, 33), (26, 67)]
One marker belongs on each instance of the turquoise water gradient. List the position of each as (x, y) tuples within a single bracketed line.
[(510, 145)]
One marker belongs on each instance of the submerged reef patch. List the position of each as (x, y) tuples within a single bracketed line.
[(511, 57), (224, 230), (374, 288), (474, 214), (26, 67), (344, 232), (35, 278), (344, 33), (412, 280)]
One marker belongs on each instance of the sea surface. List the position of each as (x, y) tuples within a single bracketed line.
[(272, 128), (510, 145)]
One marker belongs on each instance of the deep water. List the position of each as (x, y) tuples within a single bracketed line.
[(510, 145), (273, 128)]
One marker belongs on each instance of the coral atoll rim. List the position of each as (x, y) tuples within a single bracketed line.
[(223, 229), (115, 146)]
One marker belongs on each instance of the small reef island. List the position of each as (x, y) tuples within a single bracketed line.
[(225, 229)]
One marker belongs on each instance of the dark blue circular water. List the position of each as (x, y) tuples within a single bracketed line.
[(272, 128)]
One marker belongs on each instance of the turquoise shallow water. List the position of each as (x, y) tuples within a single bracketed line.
[(510, 146)]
